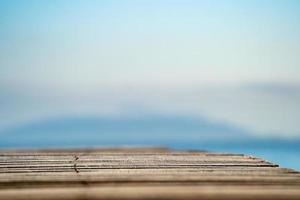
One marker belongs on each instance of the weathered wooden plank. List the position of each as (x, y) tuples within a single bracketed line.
[(142, 174), (177, 192)]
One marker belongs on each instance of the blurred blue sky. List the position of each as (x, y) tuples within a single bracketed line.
[(229, 62)]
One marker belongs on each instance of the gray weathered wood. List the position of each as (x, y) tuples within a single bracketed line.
[(142, 174)]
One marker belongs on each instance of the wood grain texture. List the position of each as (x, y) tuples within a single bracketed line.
[(142, 174)]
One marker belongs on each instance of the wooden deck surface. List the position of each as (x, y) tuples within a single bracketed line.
[(142, 174)]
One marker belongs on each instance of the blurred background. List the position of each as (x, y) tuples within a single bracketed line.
[(206, 75)]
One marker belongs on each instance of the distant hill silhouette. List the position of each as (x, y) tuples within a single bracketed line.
[(149, 130), (144, 130)]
